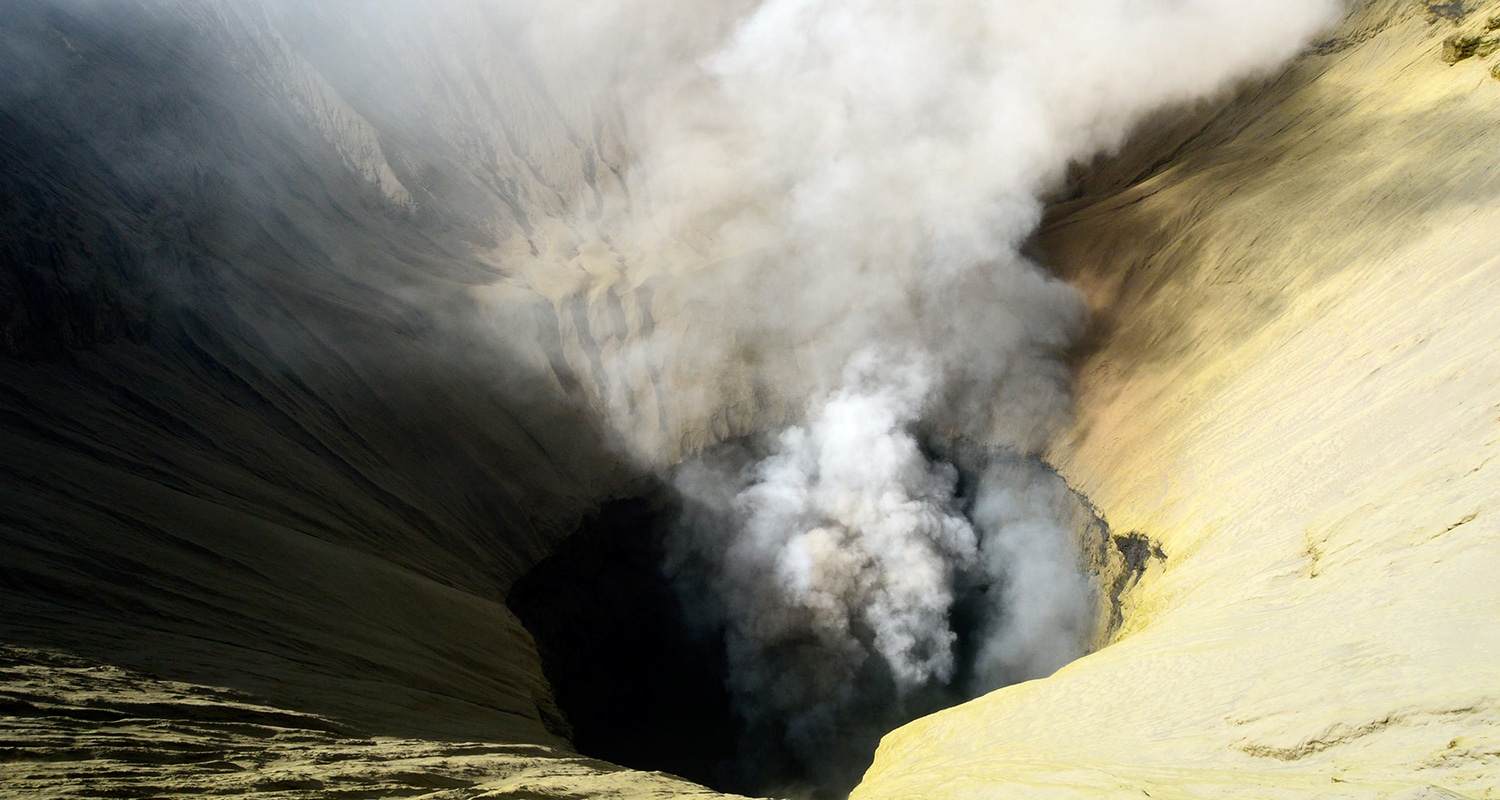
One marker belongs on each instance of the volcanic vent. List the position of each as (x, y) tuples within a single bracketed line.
[(657, 664)]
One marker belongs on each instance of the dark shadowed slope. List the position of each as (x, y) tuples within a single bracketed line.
[(254, 433)]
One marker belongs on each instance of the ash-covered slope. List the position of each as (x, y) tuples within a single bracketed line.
[(255, 433), (1294, 388)]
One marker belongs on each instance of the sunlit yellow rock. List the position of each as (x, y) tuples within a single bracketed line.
[(1298, 394)]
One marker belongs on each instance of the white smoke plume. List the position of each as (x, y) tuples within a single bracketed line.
[(832, 197), (814, 175), (841, 545), (835, 565)]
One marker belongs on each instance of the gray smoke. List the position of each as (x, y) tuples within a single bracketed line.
[(831, 197), (814, 176), (842, 544), (836, 565), (1044, 609)]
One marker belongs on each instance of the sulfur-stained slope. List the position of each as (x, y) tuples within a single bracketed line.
[(1293, 388)]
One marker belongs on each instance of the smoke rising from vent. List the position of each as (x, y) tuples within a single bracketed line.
[(840, 546), (856, 585), (830, 199)]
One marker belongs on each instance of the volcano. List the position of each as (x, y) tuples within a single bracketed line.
[(348, 373)]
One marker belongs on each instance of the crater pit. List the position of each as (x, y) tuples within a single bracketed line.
[(644, 679)]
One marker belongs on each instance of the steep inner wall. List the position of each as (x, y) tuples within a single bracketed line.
[(262, 447), (1292, 386)]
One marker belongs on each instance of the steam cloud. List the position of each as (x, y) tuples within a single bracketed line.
[(842, 544), (833, 196), (838, 564), (814, 177)]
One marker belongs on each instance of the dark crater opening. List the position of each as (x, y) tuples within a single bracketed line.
[(642, 683), (639, 686)]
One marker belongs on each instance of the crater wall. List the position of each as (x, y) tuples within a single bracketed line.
[(301, 372), (1292, 386)]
